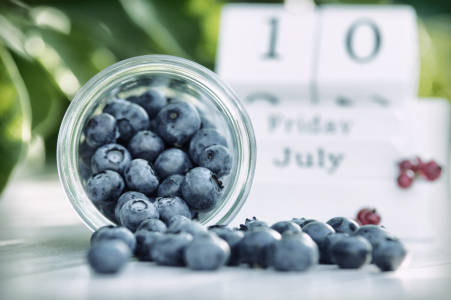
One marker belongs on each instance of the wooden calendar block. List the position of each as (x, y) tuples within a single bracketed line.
[(265, 52), (367, 55)]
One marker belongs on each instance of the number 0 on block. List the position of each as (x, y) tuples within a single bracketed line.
[(367, 55)]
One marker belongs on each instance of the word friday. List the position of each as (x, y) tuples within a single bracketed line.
[(330, 162), (314, 125)]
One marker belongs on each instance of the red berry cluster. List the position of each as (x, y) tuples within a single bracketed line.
[(415, 168), (367, 216)]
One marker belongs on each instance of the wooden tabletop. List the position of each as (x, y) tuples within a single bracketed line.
[(43, 248)]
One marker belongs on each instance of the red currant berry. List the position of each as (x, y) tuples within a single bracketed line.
[(431, 170), (368, 216), (373, 218), (405, 179), (417, 164), (360, 215), (406, 165)]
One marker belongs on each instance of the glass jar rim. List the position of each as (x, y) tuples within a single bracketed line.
[(90, 95)]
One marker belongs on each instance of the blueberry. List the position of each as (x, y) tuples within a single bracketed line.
[(171, 206), (140, 177), (206, 252), (191, 227), (389, 254), (177, 122), (250, 224), (169, 248), (152, 225), (233, 238), (105, 187), (134, 212), (146, 145), (144, 243), (217, 159), (343, 225), (114, 105), (101, 130), (324, 247), (296, 251), (284, 226), (351, 252), (317, 230), (112, 157), (124, 198), (131, 118), (373, 233), (153, 125), (108, 257), (255, 245), (306, 222), (115, 233), (108, 212), (298, 221), (85, 152), (201, 189), (203, 139), (152, 101), (171, 186), (94, 235), (176, 218), (172, 161)]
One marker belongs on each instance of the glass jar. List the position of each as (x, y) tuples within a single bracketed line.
[(180, 79)]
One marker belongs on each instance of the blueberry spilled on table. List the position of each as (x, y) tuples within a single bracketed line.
[(284, 246)]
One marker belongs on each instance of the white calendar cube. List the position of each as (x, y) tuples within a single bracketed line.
[(266, 53), (339, 112), (367, 55)]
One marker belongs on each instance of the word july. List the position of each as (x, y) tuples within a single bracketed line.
[(278, 123), (328, 161)]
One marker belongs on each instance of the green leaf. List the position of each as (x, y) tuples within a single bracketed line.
[(48, 103), (14, 117)]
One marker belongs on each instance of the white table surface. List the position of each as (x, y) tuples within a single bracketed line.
[(43, 248)]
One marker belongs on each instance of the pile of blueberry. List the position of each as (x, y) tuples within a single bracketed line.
[(148, 157), (294, 245), (416, 168)]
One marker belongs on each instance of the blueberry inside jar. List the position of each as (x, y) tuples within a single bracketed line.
[(156, 121)]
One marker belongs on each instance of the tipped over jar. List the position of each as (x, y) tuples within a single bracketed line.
[(153, 137)]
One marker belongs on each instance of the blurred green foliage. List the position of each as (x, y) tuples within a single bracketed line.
[(14, 111), (57, 46)]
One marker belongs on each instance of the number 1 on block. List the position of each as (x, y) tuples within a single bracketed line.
[(266, 53), (272, 42)]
